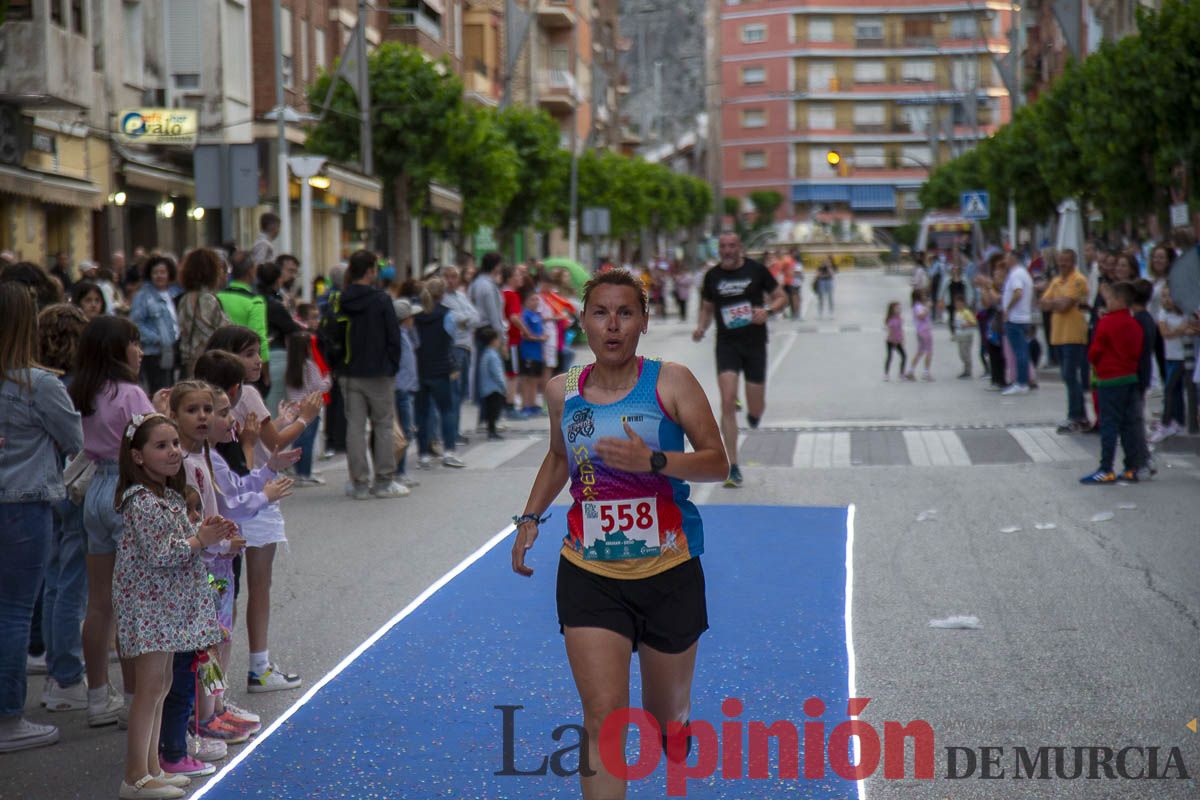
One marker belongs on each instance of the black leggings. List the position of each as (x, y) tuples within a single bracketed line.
[(996, 359), (887, 365)]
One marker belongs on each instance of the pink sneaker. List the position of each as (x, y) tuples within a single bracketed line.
[(186, 766)]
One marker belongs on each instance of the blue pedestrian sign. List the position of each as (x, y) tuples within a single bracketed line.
[(975, 205)]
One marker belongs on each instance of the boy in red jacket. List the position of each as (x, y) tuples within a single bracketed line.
[(1113, 354)]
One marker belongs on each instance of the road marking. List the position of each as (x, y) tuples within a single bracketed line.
[(349, 659), (954, 449), (917, 454), (1030, 445), (841, 450), (802, 458), (850, 660), (782, 354), (490, 455)]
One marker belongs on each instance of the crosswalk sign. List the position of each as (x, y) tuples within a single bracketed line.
[(975, 205)]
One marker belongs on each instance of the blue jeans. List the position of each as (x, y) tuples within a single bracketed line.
[(1073, 366), (25, 530), (305, 442), (436, 392), (404, 415), (1015, 331), (1120, 414), (177, 708), (66, 595), (460, 387)]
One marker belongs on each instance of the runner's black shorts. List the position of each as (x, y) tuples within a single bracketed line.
[(666, 611), (750, 359)]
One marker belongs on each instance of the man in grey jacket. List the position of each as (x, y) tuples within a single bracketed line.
[(466, 321), (485, 295)]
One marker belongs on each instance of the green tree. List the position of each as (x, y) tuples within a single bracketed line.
[(484, 165), (543, 171), (414, 103), (765, 205)]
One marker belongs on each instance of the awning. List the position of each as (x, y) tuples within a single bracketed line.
[(873, 198), (354, 187), (445, 199), (157, 179), (50, 188), (820, 193)]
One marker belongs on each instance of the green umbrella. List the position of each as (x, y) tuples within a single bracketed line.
[(579, 274)]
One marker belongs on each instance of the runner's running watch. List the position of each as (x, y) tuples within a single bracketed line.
[(658, 461)]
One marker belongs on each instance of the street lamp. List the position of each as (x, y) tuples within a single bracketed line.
[(306, 168)]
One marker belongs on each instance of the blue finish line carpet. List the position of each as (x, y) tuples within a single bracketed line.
[(414, 715)]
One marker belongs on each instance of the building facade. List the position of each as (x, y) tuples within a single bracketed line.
[(894, 89)]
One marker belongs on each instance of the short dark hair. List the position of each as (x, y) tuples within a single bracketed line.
[(1125, 291), (241, 264), (490, 261), (268, 273), (282, 257), (268, 219), (488, 335), (361, 262), (617, 277), (1143, 290), (154, 261), (222, 369)]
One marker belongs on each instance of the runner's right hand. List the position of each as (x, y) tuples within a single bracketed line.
[(697, 334), (527, 533)]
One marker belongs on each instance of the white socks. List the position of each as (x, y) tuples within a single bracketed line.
[(259, 662)]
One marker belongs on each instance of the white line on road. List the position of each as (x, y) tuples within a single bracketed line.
[(1030, 446), (841, 450), (802, 457), (490, 455), (918, 456), (781, 355), (850, 661), (350, 659), (954, 449)]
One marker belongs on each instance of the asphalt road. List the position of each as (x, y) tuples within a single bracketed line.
[(1089, 632)]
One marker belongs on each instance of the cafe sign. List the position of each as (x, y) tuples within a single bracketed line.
[(171, 126)]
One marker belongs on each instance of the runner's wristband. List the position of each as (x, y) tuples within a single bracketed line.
[(530, 518)]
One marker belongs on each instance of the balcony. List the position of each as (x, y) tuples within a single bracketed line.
[(417, 19), (556, 14), (44, 65), (557, 91), (479, 87)]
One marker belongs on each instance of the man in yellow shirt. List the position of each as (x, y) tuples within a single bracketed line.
[(1064, 298)]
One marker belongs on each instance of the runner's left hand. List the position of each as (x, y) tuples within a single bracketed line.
[(759, 317), (627, 455)]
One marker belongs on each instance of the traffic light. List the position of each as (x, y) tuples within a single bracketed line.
[(833, 158)]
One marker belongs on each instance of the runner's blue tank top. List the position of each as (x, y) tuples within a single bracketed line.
[(622, 524)]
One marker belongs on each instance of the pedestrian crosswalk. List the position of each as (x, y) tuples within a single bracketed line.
[(798, 448)]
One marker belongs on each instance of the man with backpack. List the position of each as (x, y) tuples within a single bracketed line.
[(330, 338), (367, 328)]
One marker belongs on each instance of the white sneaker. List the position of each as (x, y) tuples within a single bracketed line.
[(238, 711), (1165, 432), (35, 665), (21, 734), (1015, 389), (273, 680), (205, 749), (107, 711), (390, 491), (65, 698), (407, 481), (451, 460), (425, 462)]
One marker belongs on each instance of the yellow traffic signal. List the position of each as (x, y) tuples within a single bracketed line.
[(833, 158)]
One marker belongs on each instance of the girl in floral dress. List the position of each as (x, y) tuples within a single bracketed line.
[(161, 594)]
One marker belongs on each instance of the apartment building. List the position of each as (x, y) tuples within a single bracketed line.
[(895, 89)]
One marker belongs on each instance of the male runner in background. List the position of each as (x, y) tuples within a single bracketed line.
[(741, 293)]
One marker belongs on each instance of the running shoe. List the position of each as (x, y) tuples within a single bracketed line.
[(425, 462), (1016, 388), (309, 480), (735, 477), (65, 698), (451, 460), (202, 748), (251, 727), (1099, 477), (390, 490), (241, 712), (1164, 432), (273, 680), (1128, 476), (1071, 426), (35, 665), (361, 493), (219, 728), (107, 711)]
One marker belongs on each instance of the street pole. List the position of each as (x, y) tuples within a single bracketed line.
[(367, 156), (573, 223), (1015, 13), (284, 244), (305, 167)]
